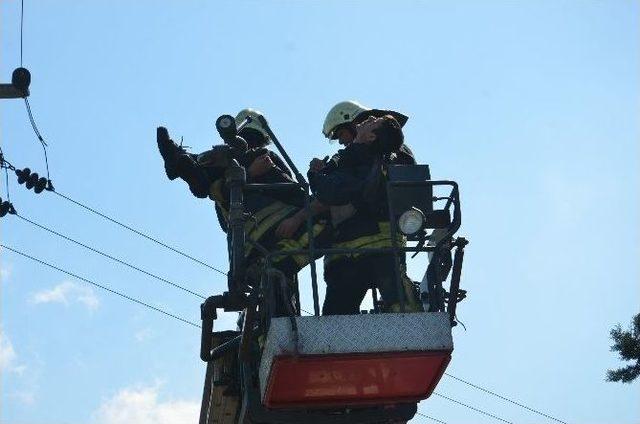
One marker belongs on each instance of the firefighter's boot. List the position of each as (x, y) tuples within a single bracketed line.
[(169, 151)]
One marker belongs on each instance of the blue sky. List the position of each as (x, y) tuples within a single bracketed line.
[(533, 107)]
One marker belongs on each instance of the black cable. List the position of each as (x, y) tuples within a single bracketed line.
[(108, 218), (504, 398), (71, 274), (6, 179), (488, 414), (32, 121), (21, 26), (4, 162), (431, 418), (113, 258), (5, 166)]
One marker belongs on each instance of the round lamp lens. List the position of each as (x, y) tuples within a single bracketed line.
[(411, 221), (225, 121)]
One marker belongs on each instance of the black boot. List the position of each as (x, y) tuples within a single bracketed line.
[(193, 173), (169, 151)]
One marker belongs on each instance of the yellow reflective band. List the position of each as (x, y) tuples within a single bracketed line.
[(381, 239), (215, 191), (278, 214), (301, 243), (257, 218), (260, 222), (257, 231), (215, 194)]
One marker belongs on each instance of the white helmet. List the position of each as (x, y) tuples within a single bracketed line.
[(342, 113), (255, 122), (351, 112)]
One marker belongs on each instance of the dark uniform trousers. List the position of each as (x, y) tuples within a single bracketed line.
[(348, 280)]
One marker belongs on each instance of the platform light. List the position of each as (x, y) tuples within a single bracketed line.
[(411, 221)]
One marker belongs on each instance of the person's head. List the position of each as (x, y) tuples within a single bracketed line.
[(338, 122), (252, 133), (383, 133), (341, 121)]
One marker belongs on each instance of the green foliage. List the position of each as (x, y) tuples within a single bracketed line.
[(627, 344)]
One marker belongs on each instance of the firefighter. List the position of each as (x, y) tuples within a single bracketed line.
[(352, 185), (204, 173), (341, 123)]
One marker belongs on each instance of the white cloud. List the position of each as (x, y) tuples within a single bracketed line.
[(24, 397), (141, 406), (7, 353), (9, 367), (5, 273), (144, 335), (68, 292)]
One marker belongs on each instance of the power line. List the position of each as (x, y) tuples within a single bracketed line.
[(5, 167), (46, 159), (108, 256), (32, 121), (5, 164), (21, 26), (86, 280), (473, 408), (6, 180), (431, 418), (504, 398), (133, 230)]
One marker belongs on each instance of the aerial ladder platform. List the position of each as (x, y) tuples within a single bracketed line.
[(369, 368)]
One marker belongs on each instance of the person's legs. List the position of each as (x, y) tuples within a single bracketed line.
[(178, 163), (169, 151), (382, 267), (194, 174), (291, 264), (347, 284)]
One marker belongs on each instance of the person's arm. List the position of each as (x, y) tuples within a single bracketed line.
[(268, 168), (289, 226), (278, 162), (404, 156), (338, 187), (259, 167)]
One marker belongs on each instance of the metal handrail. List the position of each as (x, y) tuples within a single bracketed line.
[(311, 252)]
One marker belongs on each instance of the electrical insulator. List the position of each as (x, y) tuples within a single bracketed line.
[(40, 185), (23, 175), (32, 181), (21, 78), (5, 208)]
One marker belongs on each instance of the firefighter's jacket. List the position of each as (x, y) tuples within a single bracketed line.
[(355, 177), (275, 175), (265, 211)]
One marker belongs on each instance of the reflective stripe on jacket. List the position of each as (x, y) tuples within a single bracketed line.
[(260, 222), (302, 242), (379, 239)]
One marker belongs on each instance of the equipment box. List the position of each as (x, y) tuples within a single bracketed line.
[(354, 360)]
